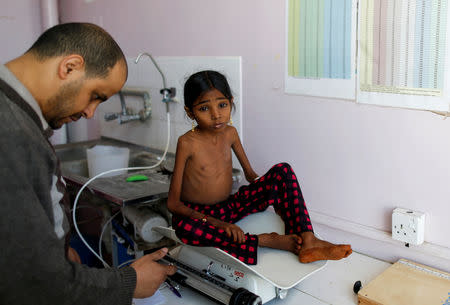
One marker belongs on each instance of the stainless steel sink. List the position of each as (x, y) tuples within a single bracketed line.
[(73, 156), (74, 167)]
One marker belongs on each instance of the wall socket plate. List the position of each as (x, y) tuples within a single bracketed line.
[(408, 226)]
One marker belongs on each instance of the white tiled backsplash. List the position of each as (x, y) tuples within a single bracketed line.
[(153, 132)]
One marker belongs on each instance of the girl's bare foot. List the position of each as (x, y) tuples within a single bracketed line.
[(314, 249), (291, 243)]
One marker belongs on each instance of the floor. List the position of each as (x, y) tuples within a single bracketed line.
[(331, 285)]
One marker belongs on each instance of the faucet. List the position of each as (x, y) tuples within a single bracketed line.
[(126, 115), (167, 93)]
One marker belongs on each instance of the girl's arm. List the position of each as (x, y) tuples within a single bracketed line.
[(173, 202), (236, 145)]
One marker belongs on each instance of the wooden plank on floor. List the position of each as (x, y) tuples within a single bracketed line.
[(407, 283)]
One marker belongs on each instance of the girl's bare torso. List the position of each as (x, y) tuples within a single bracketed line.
[(207, 177)]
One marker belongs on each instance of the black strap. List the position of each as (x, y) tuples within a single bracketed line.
[(21, 103)]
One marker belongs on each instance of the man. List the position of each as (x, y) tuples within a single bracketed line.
[(65, 75)]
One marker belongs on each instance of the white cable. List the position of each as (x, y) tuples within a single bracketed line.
[(101, 237), (124, 263), (112, 171), (85, 206)]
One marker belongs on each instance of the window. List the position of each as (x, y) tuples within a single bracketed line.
[(402, 59)]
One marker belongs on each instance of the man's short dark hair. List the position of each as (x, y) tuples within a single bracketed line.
[(94, 44)]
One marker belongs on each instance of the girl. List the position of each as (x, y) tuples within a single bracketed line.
[(204, 212)]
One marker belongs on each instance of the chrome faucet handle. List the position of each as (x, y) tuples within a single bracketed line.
[(168, 94)]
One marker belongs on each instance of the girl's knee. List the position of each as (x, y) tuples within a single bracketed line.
[(285, 165), (282, 168)]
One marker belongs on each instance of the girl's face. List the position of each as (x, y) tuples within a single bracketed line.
[(211, 110)]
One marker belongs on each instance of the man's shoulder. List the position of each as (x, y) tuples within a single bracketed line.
[(10, 112), (18, 131)]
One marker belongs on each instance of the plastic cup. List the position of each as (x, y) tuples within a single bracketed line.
[(102, 158)]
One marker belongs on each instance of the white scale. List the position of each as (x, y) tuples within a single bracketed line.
[(228, 280)]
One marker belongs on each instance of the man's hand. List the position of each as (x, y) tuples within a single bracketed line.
[(150, 274)]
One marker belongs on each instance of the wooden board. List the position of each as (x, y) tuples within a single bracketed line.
[(407, 283)]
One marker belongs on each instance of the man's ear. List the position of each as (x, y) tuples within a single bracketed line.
[(71, 66), (189, 113)]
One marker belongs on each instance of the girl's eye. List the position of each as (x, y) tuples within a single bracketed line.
[(223, 105), (203, 108)]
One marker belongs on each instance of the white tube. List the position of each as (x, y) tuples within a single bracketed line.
[(111, 171), (101, 236)]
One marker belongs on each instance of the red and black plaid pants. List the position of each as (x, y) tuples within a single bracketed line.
[(278, 187)]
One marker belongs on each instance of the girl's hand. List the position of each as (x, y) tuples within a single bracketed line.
[(232, 231)]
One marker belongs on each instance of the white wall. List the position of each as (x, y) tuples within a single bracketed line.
[(355, 162), (20, 25)]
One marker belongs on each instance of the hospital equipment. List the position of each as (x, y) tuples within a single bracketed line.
[(224, 278)]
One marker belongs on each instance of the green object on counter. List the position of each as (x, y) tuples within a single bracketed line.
[(137, 178)]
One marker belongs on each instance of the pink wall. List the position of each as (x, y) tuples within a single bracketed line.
[(355, 162), (20, 25)]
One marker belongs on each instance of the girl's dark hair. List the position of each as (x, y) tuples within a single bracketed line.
[(98, 49), (201, 82)]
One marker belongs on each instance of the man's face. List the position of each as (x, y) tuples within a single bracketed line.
[(79, 98)]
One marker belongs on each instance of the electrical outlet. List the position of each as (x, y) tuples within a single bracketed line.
[(408, 226)]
